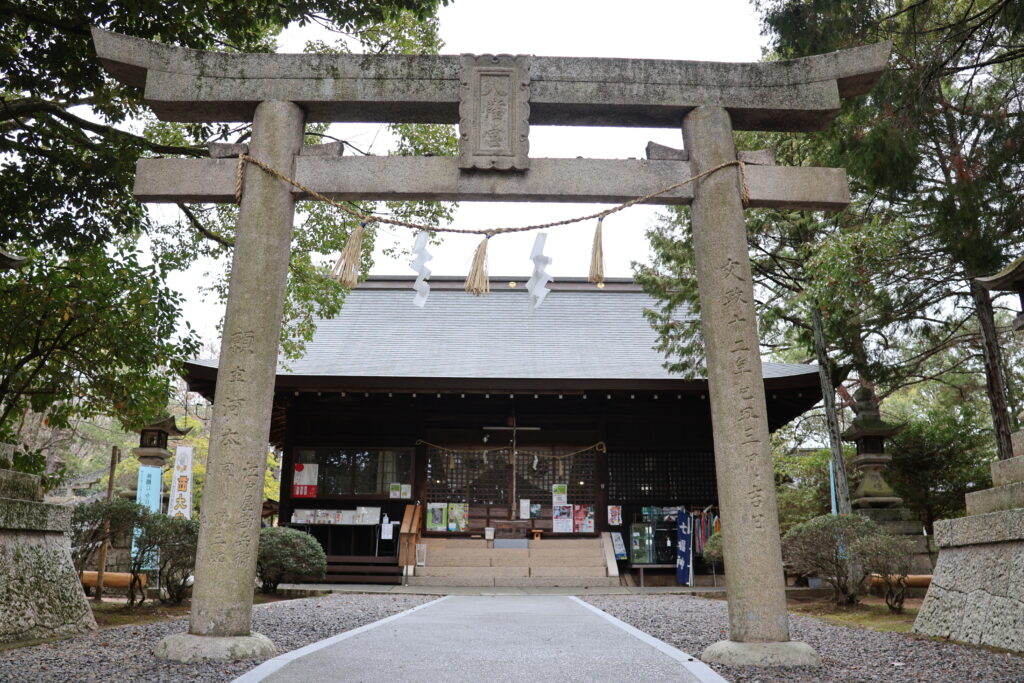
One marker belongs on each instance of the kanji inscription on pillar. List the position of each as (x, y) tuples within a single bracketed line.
[(494, 111)]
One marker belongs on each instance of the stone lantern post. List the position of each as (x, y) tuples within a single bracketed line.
[(869, 432)]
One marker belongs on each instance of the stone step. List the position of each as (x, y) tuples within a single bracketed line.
[(1007, 497), (473, 572), (557, 558), (576, 543), (555, 582), (1009, 471), (449, 581), (458, 558), (582, 572), (453, 543)]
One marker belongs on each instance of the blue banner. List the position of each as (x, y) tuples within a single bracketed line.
[(147, 494), (684, 548)]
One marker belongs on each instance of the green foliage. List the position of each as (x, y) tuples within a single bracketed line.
[(287, 551), (942, 453), (826, 546), (176, 541), (890, 557), (88, 335), (713, 549), (88, 532), (802, 487)]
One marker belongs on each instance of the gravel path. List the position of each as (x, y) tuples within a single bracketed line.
[(848, 654), (125, 653)]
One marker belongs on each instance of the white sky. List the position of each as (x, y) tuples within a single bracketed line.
[(715, 30)]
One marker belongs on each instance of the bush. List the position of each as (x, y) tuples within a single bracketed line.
[(890, 557), (176, 540), (287, 551), (87, 526), (827, 546), (713, 553)]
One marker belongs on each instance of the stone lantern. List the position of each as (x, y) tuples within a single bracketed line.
[(152, 448), (869, 432)]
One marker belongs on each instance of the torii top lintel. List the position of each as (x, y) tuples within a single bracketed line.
[(190, 85)]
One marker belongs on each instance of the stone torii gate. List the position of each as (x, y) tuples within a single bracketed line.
[(493, 99)]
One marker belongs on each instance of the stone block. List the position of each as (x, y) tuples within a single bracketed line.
[(1017, 443), (913, 528), (41, 596), (188, 648), (31, 516), (582, 572), (1009, 471), (784, 653), (993, 527), (1005, 497), (20, 486), (977, 596), (327, 149)]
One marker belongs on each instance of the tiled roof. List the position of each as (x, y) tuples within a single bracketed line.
[(579, 332)]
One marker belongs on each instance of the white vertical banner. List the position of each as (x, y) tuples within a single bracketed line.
[(179, 500)]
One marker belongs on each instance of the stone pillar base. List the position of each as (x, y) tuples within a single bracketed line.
[(186, 647), (977, 591), (784, 653)]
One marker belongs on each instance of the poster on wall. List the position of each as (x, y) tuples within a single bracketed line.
[(534, 510), (179, 498), (684, 548), (559, 494), (458, 517), (524, 508), (437, 516), (561, 519), (304, 480), (406, 490), (584, 519), (614, 515), (618, 546), (395, 490)]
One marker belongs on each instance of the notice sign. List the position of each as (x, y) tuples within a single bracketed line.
[(179, 502), (524, 508), (304, 480), (559, 494)]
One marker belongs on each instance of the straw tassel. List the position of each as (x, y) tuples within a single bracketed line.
[(346, 270), (597, 256), (477, 282)]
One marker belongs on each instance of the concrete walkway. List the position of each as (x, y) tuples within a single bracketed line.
[(489, 638)]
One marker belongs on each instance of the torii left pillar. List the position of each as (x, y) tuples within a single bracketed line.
[(221, 618)]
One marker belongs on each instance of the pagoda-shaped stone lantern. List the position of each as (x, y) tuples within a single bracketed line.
[(869, 432), (152, 448)]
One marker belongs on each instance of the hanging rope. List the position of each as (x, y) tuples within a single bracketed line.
[(244, 159), (600, 447)]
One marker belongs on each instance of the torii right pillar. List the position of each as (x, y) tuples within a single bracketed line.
[(758, 621)]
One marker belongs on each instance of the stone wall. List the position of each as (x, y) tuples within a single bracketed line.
[(977, 590), (40, 594)]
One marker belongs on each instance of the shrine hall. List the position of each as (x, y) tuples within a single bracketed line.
[(493, 417)]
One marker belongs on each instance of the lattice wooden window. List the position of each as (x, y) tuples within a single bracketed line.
[(652, 478), (474, 477)]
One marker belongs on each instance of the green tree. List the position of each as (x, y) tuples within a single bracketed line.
[(69, 139), (938, 141), (287, 551), (92, 334)]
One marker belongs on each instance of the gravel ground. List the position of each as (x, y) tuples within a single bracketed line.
[(847, 654), (125, 653)]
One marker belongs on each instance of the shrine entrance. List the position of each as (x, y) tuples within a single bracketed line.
[(495, 483), (494, 99)]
